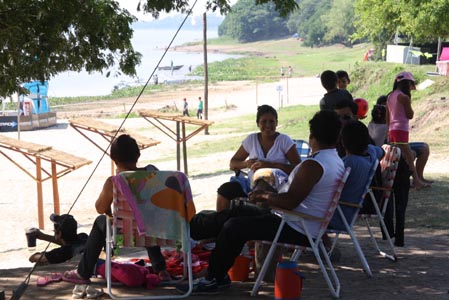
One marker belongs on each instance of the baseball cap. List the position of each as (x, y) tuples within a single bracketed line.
[(66, 224), (405, 76)]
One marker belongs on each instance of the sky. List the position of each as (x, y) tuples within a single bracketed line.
[(131, 6)]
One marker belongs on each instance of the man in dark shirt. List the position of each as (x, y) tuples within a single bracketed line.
[(334, 95), (65, 227)]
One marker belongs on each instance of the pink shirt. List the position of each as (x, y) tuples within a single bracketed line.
[(398, 117)]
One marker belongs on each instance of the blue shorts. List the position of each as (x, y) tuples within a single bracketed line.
[(418, 148)]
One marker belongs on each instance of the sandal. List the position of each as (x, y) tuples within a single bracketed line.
[(73, 277), (44, 280), (79, 291), (93, 293)]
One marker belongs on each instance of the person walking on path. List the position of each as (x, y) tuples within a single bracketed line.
[(185, 109), (199, 112)]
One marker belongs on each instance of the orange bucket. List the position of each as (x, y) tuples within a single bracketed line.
[(240, 269), (288, 281)]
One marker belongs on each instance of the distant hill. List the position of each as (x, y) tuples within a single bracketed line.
[(173, 22)]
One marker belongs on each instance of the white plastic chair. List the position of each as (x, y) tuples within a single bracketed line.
[(151, 208), (315, 244)]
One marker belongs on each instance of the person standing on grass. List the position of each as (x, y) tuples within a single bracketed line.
[(399, 113), (333, 95), (185, 109), (199, 112)]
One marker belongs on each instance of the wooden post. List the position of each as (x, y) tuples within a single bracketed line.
[(54, 179), (184, 148), (40, 203), (206, 74)]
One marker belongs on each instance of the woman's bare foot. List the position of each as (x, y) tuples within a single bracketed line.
[(427, 181), (418, 185), (164, 275)]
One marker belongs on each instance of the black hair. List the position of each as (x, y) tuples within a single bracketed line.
[(382, 100), (378, 113), (343, 74), (355, 137), (67, 226), (346, 102), (124, 149), (265, 109), (329, 80), (325, 126), (403, 86)]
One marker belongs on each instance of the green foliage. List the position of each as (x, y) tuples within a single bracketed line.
[(42, 38), (339, 22), (310, 25), (422, 21), (284, 7), (249, 22)]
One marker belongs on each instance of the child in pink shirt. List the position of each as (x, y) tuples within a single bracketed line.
[(399, 112)]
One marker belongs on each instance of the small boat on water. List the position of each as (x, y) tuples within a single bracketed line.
[(168, 68)]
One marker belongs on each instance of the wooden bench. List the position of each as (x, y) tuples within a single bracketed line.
[(60, 164), (179, 136), (108, 132)]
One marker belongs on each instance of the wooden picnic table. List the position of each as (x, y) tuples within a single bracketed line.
[(107, 132), (60, 164), (178, 135)]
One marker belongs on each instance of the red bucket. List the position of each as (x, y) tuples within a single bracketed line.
[(288, 281), (240, 269)]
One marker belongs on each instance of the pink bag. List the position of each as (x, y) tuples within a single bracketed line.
[(131, 275)]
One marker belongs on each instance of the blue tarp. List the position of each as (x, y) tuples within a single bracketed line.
[(38, 92)]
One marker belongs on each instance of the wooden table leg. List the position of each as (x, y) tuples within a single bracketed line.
[(40, 203), (54, 180)]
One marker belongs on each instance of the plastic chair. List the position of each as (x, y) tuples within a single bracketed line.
[(151, 208), (303, 148), (316, 244), (389, 165), (348, 220)]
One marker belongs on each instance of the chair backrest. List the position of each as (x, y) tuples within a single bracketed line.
[(350, 213), (152, 207), (303, 148), (389, 165), (334, 203)]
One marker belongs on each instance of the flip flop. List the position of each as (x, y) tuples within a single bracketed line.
[(73, 277), (44, 280)]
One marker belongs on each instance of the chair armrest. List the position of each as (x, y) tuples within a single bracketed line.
[(380, 188), (297, 214), (351, 204)]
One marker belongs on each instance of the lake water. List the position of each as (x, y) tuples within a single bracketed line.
[(151, 43)]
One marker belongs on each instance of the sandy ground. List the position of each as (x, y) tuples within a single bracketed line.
[(78, 190)]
